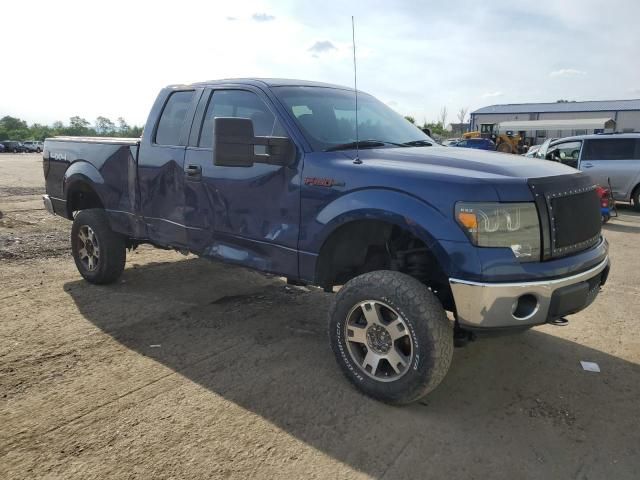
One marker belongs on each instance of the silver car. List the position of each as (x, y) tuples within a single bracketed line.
[(613, 158), (33, 146)]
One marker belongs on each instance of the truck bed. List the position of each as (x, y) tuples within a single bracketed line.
[(108, 165)]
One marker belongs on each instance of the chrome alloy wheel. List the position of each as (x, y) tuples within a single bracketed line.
[(379, 340), (88, 248)]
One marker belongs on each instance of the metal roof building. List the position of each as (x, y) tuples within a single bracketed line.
[(624, 113)]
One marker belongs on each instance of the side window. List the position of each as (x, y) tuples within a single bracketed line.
[(566, 152), (172, 118), (610, 149), (239, 104)]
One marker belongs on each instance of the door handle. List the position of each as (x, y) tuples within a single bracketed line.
[(587, 165), (193, 171)]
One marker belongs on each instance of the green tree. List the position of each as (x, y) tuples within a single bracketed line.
[(12, 128), (105, 127), (436, 128), (40, 132), (123, 126), (78, 126), (410, 119)]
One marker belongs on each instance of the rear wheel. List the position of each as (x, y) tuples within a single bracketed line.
[(98, 251), (390, 336)]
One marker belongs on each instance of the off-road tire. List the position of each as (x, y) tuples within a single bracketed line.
[(112, 248), (430, 333)]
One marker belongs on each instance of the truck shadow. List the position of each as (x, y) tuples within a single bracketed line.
[(263, 346)]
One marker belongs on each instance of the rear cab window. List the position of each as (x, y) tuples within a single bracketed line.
[(172, 119)]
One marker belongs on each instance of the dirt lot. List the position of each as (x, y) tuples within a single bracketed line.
[(191, 369)]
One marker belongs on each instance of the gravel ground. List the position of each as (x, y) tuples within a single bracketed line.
[(192, 369)]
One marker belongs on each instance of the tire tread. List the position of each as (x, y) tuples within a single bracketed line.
[(425, 307)]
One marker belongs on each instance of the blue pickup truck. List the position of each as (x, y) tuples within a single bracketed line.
[(272, 175)]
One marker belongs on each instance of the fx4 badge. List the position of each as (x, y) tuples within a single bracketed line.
[(322, 182)]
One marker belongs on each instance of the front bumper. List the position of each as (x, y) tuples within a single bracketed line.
[(505, 305)]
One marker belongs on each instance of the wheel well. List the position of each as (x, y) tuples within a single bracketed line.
[(81, 197), (367, 245)]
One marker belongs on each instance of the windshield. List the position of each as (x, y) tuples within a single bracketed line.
[(327, 118)]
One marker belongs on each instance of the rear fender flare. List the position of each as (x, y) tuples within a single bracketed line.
[(83, 172)]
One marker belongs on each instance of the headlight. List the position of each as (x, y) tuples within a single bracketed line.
[(511, 225)]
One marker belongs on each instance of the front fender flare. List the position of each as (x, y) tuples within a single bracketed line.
[(437, 230)]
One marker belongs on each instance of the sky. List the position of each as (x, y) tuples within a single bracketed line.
[(111, 58)]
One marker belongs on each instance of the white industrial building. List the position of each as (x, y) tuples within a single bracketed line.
[(543, 120)]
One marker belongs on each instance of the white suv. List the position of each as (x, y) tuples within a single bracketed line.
[(607, 158)]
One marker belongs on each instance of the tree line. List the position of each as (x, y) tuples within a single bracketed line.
[(12, 128), (439, 127)]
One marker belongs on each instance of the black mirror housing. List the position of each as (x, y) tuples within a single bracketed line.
[(234, 145), (233, 142)]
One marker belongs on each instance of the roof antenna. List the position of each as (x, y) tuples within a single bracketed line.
[(356, 160)]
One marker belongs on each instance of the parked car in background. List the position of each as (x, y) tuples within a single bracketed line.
[(33, 145), (449, 142), (532, 151), (1, 148), (613, 158), (477, 143), (13, 146)]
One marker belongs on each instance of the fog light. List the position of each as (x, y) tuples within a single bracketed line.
[(525, 306)]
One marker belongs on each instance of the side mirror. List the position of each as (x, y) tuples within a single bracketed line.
[(234, 145)]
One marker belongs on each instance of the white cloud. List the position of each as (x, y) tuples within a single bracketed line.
[(262, 17), (492, 94), (567, 72), (322, 46)]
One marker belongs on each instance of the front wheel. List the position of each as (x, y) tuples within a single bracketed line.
[(504, 147), (98, 251), (390, 336), (635, 197)]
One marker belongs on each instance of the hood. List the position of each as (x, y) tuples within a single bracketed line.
[(462, 162)]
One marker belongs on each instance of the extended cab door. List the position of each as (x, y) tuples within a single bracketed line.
[(613, 159), (160, 165), (246, 215)]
